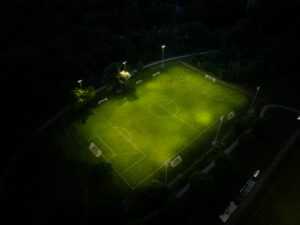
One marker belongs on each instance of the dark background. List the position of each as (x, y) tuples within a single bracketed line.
[(46, 46)]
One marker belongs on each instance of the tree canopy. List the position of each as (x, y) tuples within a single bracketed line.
[(81, 97)]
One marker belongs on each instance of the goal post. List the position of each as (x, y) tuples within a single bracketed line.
[(176, 161), (95, 150), (230, 115), (210, 77)]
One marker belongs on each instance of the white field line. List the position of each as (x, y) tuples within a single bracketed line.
[(160, 117), (237, 104), (192, 140), (129, 141), (124, 129), (132, 165), (113, 152), (135, 163), (124, 179), (103, 157), (150, 175), (107, 160), (197, 90), (174, 116)]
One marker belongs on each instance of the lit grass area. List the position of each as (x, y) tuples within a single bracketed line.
[(281, 202), (157, 120)]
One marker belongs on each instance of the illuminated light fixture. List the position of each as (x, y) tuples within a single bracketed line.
[(124, 63), (166, 175), (79, 82), (162, 55)]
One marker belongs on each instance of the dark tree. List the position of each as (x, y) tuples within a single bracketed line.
[(201, 184), (101, 173)]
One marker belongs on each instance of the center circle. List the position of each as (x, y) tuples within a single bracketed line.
[(164, 109)]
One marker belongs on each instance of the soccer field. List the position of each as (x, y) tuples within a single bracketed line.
[(156, 121)]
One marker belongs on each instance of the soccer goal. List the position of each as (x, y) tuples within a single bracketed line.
[(95, 150), (230, 115), (176, 161), (210, 77), (103, 100), (154, 75)]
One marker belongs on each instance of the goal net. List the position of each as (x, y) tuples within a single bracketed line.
[(176, 161), (154, 75), (210, 77), (230, 115), (95, 150)]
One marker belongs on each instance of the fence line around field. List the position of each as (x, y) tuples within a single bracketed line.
[(66, 109)]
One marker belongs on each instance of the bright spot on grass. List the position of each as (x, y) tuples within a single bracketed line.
[(204, 118)]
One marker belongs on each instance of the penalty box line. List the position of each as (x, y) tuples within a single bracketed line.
[(120, 173), (197, 90), (132, 188), (188, 144), (108, 147), (130, 142), (194, 139)]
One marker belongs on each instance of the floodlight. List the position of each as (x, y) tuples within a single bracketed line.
[(79, 82), (162, 55), (124, 63)]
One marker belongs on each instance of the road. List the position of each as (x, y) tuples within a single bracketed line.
[(267, 107), (264, 178)]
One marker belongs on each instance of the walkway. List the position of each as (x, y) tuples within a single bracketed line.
[(267, 107), (182, 191), (264, 177)]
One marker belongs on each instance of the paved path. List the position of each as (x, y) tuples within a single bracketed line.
[(182, 191), (267, 107), (264, 177), (180, 57)]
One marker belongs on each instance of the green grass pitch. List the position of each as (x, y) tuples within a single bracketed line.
[(157, 120)]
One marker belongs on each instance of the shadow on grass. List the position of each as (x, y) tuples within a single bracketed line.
[(81, 115), (131, 94)]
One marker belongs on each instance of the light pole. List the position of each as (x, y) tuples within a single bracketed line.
[(215, 141), (79, 82), (250, 108), (166, 175), (124, 63), (162, 55)]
